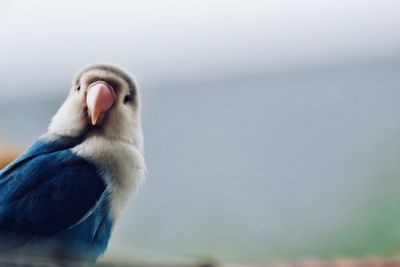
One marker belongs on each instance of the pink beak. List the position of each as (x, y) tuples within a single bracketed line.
[(99, 99)]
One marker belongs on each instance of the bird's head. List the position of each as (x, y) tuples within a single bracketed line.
[(103, 100)]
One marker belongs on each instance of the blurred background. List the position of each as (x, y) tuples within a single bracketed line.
[(272, 128)]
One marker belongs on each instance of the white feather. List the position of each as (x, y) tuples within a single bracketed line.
[(122, 164), (69, 119)]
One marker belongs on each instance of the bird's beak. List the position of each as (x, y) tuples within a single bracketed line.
[(100, 97)]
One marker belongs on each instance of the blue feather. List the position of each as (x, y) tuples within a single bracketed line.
[(52, 200)]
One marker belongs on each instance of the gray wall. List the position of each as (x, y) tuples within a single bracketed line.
[(272, 166)]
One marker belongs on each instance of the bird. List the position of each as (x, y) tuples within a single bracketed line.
[(61, 198)]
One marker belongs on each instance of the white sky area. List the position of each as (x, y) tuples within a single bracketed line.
[(169, 42)]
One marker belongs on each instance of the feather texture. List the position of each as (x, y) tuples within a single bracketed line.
[(41, 201)]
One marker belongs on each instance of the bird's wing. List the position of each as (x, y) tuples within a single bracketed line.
[(46, 193)]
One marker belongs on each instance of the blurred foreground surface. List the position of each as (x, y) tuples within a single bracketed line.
[(338, 262), (42, 262)]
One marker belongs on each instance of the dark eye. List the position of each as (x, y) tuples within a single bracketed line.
[(78, 88), (127, 99)]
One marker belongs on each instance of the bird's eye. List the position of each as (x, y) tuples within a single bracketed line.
[(127, 99), (78, 88)]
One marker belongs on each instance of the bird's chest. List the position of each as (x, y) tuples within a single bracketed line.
[(121, 166)]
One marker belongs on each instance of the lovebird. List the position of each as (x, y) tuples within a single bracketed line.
[(61, 197)]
